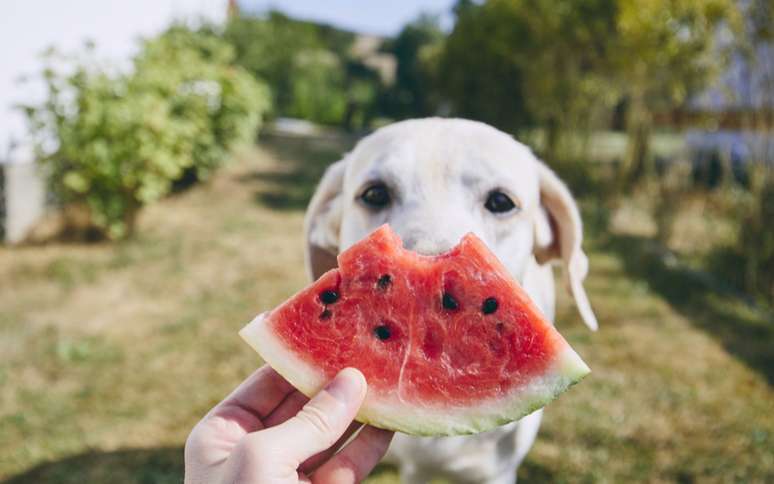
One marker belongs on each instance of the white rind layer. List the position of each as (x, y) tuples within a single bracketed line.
[(390, 412)]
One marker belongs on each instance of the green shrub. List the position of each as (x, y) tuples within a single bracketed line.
[(317, 87), (112, 141)]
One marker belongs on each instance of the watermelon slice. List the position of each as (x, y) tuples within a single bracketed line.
[(449, 344)]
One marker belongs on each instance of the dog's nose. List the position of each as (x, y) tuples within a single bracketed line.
[(427, 244)]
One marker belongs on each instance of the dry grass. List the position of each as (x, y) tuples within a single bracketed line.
[(109, 354)]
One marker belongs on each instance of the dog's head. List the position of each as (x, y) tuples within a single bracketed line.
[(433, 180)]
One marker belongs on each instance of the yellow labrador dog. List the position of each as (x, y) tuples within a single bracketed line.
[(433, 180)]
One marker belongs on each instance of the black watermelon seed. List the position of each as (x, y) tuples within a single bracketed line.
[(329, 296), (449, 302), (382, 332), (489, 306), (325, 314), (384, 281)]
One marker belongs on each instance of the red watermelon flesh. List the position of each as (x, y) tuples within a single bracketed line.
[(449, 344)]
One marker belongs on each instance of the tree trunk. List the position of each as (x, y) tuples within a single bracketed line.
[(130, 220), (637, 163)]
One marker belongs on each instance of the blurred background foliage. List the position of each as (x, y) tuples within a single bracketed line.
[(566, 76)]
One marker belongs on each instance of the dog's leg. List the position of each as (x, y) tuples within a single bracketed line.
[(522, 438), (526, 433)]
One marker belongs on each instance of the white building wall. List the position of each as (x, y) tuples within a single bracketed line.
[(25, 198)]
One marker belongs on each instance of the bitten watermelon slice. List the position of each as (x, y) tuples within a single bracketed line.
[(449, 344)]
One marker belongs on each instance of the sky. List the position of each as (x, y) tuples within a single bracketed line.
[(366, 16)]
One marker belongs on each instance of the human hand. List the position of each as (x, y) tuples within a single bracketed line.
[(266, 432)]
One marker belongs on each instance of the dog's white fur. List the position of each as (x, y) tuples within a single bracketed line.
[(439, 173)]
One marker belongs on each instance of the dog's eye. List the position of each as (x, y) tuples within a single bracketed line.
[(498, 202), (376, 196)]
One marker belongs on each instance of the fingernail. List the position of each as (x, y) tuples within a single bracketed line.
[(348, 385)]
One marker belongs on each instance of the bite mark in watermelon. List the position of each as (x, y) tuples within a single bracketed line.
[(449, 344)]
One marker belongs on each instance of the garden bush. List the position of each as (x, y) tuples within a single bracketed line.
[(112, 141)]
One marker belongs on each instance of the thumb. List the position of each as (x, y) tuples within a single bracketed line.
[(323, 420)]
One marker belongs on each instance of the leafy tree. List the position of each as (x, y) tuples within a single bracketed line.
[(317, 87), (269, 48), (309, 67), (520, 63), (363, 87), (416, 49), (112, 142), (563, 64), (665, 50), (477, 73)]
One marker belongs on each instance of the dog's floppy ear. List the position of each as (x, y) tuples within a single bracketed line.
[(558, 235), (322, 222)]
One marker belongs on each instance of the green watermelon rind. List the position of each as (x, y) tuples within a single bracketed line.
[(391, 413)]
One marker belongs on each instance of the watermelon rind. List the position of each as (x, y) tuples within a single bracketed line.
[(392, 413)]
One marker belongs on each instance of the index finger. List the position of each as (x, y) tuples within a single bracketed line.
[(258, 395)]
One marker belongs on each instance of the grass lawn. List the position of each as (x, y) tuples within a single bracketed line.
[(110, 353)]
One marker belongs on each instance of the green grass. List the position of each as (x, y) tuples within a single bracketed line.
[(110, 353)]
